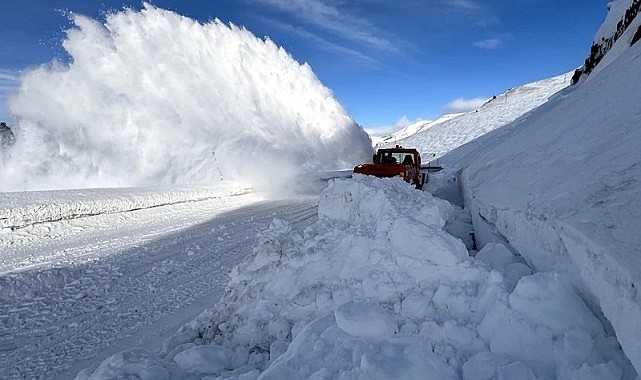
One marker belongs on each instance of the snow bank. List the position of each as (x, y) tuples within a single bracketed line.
[(354, 298), (22, 209), (562, 187), (153, 98)]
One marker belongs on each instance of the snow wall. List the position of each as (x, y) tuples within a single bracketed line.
[(562, 185), (153, 98)]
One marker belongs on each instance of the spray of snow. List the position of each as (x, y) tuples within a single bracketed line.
[(154, 98)]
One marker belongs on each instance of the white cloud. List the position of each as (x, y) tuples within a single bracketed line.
[(8, 80), (490, 43), (335, 20), (464, 4), (464, 105), (324, 43), (385, 130)]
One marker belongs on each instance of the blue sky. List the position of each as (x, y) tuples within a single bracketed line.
[(384, 59)]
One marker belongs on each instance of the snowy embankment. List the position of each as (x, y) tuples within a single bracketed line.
[(561, 186), (378, 288), (21, 209)]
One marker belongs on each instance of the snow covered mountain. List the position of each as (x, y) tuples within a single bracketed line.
[(619, 31), (412, 129), (450, 131)]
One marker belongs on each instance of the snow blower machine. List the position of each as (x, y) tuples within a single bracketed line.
[(397, 161)]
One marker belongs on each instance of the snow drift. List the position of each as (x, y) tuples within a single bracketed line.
[(154, 98), (377, 289)]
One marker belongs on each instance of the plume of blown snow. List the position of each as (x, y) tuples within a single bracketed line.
[(153, 98)]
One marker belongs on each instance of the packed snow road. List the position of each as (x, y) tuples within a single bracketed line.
[(74, 292)]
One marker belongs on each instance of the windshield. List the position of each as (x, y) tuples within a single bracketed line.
[(397, 158)]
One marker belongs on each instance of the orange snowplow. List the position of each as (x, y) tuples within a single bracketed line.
[(392, 162)]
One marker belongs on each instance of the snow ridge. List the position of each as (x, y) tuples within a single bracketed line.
[(19, 210)]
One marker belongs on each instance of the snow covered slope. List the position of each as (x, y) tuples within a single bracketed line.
[(563, 186), (451, 132), (412, 129)]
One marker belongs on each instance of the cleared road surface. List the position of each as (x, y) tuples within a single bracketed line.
[(74, 292)]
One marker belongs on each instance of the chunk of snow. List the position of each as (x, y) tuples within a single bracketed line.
[(426, 243), (496, 256), (516, 370), (365, 320), (549, 300), (134, 363), (205, 360)]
